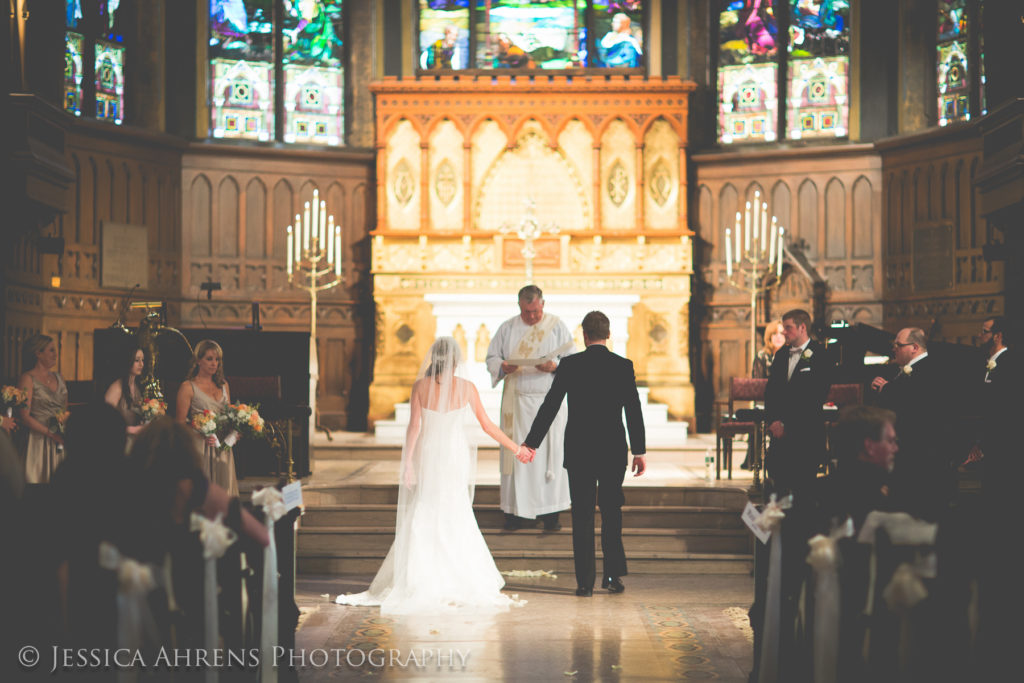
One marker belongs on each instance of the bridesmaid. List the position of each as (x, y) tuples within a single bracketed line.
[(206, 389), (47, 398), (125, 394)]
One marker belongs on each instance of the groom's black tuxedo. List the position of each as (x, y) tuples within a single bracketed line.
[(798, 402), (599, 385)]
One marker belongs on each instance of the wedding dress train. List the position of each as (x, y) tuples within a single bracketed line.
[(439, 561)]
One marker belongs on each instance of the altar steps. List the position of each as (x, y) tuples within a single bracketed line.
[(673, 530)]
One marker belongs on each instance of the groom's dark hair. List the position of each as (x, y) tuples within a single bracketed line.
[(596, 326), (529, 294)]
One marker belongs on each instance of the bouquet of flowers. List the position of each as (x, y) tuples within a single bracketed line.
[(12, 398), (57, 424), (152, 409), (243, 420), (207, 424)]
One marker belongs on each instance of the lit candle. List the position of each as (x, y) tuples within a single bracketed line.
[(330, 240), (778, 264), (764, 226), (757, 214), (337, 249), (316, 205), (771, 247), (305, 228), (324, 235), (746, 230), (737, 232), (291, 250), (728, 252)]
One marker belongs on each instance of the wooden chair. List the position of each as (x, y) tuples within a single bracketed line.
[(740, 389)]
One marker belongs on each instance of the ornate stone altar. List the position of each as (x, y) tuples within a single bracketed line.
[(601, 159)]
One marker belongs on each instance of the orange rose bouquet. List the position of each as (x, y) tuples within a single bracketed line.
[(12, 398)]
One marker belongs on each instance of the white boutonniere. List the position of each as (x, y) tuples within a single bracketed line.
[(806, 355), (907, 369), (991, 364)]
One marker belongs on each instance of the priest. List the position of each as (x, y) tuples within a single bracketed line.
[(538, 341)]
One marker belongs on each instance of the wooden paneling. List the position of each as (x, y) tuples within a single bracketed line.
[(827, 198), (930, 183)]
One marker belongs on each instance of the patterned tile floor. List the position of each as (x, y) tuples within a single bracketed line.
[(663, 628)]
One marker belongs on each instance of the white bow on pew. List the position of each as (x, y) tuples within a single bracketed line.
[(824, 560), (272, 502), (135, 580), (770, 520), (216, 539)]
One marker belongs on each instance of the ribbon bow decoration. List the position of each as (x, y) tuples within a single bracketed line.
[(905, 589), (772, 515), (135, 580), (272, 502), (215, 537), (824, 559)]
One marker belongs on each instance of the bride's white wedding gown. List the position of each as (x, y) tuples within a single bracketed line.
[(438, 561)]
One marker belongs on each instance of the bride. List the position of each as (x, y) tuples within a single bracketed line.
[(439, 561)]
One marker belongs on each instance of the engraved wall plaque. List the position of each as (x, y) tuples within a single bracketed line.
[(124, 255), (933, 258)]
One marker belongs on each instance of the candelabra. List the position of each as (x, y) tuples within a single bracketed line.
[(314, 264), (529, 229), (758, 254)]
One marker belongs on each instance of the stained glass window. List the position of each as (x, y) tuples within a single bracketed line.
[(525, 34), (74, 44), (618, 32), (313, 72), (241, 55), (747, 71), (953, 75), (73, 72), (109, 62), (818, 104), (444, 34)]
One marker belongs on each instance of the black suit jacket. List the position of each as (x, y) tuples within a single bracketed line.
[(599, 384), (1000, 403), (798, 402), (922, 476)]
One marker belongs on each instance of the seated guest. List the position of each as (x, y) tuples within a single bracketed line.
[(865, 440), (167, 484)]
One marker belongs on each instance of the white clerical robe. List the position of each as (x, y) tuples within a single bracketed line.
[(542, 486)]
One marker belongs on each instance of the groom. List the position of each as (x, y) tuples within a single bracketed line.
[(599, 385)]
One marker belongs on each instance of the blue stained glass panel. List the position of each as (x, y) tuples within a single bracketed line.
[(618, 29)]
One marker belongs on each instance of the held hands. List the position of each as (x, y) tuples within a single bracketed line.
[(212, 441), (525, 454), (639, 465), (878, 383), (777, 429)]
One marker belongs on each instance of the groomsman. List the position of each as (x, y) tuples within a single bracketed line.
[(922, 477), (794, 406), (1001, 378), (599, 385)]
